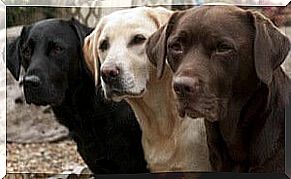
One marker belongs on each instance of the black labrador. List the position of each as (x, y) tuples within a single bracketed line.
[(107, 135), (226, 63)]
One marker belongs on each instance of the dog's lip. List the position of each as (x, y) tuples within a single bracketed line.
[(42, 103), (182, 113), (184, 109), (36, 102), (120, 92), (195, 114)]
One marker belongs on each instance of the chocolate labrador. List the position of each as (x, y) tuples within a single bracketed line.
[(226, 64), (107, 133)]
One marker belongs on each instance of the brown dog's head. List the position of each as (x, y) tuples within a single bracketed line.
[(217, 52)]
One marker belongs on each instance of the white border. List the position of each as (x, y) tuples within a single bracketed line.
[(128, 3), (71, 3)]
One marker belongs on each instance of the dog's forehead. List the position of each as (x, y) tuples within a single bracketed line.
[(51, 29), (214, 12), (128, 22), (213, 19), (129, 15)]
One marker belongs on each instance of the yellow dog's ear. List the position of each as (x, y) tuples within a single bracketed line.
[(90, 50), (159, 15)]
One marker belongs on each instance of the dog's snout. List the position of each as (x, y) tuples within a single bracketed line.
[(109, 72), (184, 86), (31, 81)]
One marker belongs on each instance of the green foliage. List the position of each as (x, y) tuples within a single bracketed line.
[(27, 15)]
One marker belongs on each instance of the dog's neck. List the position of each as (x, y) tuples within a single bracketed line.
[(156, 111), (81, 94), (264, 106), (260, 100), (166, 136)]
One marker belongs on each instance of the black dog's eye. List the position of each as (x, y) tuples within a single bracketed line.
[(27, 52), (224, 47), (57, 49), (104, 45), (138, 39), (176, 48)]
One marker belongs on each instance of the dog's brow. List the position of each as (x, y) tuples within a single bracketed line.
[(182, 38), (58, 41), (29, 41), (183, 34), (103, 39)]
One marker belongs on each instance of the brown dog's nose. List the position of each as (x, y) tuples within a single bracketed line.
[(109, 72), (185, 86)]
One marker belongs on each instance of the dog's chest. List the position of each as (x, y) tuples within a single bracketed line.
[(184, 150)]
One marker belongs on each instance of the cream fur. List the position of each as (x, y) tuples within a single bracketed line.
[(170, 143)]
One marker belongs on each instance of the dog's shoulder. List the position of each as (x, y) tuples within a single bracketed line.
[(280, 88)]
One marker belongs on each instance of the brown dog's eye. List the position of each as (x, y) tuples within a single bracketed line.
[(176, 48), (138, 39), (104, 45), (224, 48)]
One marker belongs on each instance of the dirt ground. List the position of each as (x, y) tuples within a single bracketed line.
[(53, 157), (36, 142)]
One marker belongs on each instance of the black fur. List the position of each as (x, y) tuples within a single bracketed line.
[(107, 134)]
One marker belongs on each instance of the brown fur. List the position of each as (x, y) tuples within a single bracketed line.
[(227, 69)]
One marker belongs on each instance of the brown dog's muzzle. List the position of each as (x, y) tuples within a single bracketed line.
[(186, 86), (194, 98)]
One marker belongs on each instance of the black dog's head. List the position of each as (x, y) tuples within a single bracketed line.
[(217, 53), (51, 53)]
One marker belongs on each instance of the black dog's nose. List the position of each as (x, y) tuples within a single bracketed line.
[(185, 86), (109, 72), (31, 81)]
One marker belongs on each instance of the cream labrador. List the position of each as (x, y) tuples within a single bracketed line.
[(116, 51)]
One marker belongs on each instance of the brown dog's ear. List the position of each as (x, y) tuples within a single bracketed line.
[(90, 51), (270, 47), (156, 47)]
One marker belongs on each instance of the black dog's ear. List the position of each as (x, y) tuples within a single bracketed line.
[(81, 29), (270, 47), (156, 47), (82, 32), (13, 57)]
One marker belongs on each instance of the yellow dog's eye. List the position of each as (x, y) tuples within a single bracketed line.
[(138, 39), (104, 45)]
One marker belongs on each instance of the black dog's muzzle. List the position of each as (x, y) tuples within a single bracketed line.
[(37, 91), (32, 81)]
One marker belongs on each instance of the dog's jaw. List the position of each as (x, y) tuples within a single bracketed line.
[(120, 94), (209, 109)]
